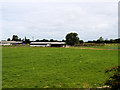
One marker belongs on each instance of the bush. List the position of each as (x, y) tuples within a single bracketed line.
[(114, 80)]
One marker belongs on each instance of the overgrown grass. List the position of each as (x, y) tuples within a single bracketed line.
[(107, 46), (35, 67)]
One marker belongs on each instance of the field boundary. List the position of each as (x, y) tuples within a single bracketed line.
[(94, 48)]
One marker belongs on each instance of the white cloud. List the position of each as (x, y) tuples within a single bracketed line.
[(55, 20), (59, 1)]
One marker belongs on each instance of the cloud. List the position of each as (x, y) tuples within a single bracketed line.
[(59, 1), (55, 20)]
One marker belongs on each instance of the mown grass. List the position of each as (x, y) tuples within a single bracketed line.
[(35, 67)]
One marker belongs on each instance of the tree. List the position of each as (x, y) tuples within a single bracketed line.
[(15, 38), (106, 41), (117, 40), (26, 41), (25, 38), (37, 40), (51, 40), (81, 41), (112, 41), (63, 40), (8, 39), (101, 39), (44, 40), (19, 39), (72, 39)]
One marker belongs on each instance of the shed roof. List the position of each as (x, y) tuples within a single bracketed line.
[(47, 43), (10, 42)]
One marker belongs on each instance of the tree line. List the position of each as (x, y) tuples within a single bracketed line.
[(101, 40), (73, 39), (16, 38), (70, 39), (27, 41)]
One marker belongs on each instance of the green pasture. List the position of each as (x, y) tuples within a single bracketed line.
[(35, 67)]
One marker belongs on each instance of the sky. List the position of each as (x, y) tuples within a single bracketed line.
[(53, 19)]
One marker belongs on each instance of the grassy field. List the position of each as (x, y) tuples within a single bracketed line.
[(35, 67)]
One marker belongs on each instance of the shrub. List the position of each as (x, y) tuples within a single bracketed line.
[(114, 80)]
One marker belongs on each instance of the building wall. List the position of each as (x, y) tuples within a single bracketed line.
[(38, 45), (10, 43), (57, 45), (47, 44), (5, 44)]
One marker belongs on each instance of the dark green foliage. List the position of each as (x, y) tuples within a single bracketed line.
[(72, 39), (112, 41), (26, 41), (15, 38), (63, 40), (81, 41), (44, 40), (8, 39), (114, 80), (101, 40), (19, 39), (51, 40), (37, 40)]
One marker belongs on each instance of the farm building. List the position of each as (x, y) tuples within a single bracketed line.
[(4, 43), (48, 44)]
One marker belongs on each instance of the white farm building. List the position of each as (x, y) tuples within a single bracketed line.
[(4, 43), (48, 44)]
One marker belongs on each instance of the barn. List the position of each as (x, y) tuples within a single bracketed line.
[(4, 43), (48, 44)]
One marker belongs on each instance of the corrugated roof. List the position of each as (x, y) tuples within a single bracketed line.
[(47, 43), (10, 42)]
